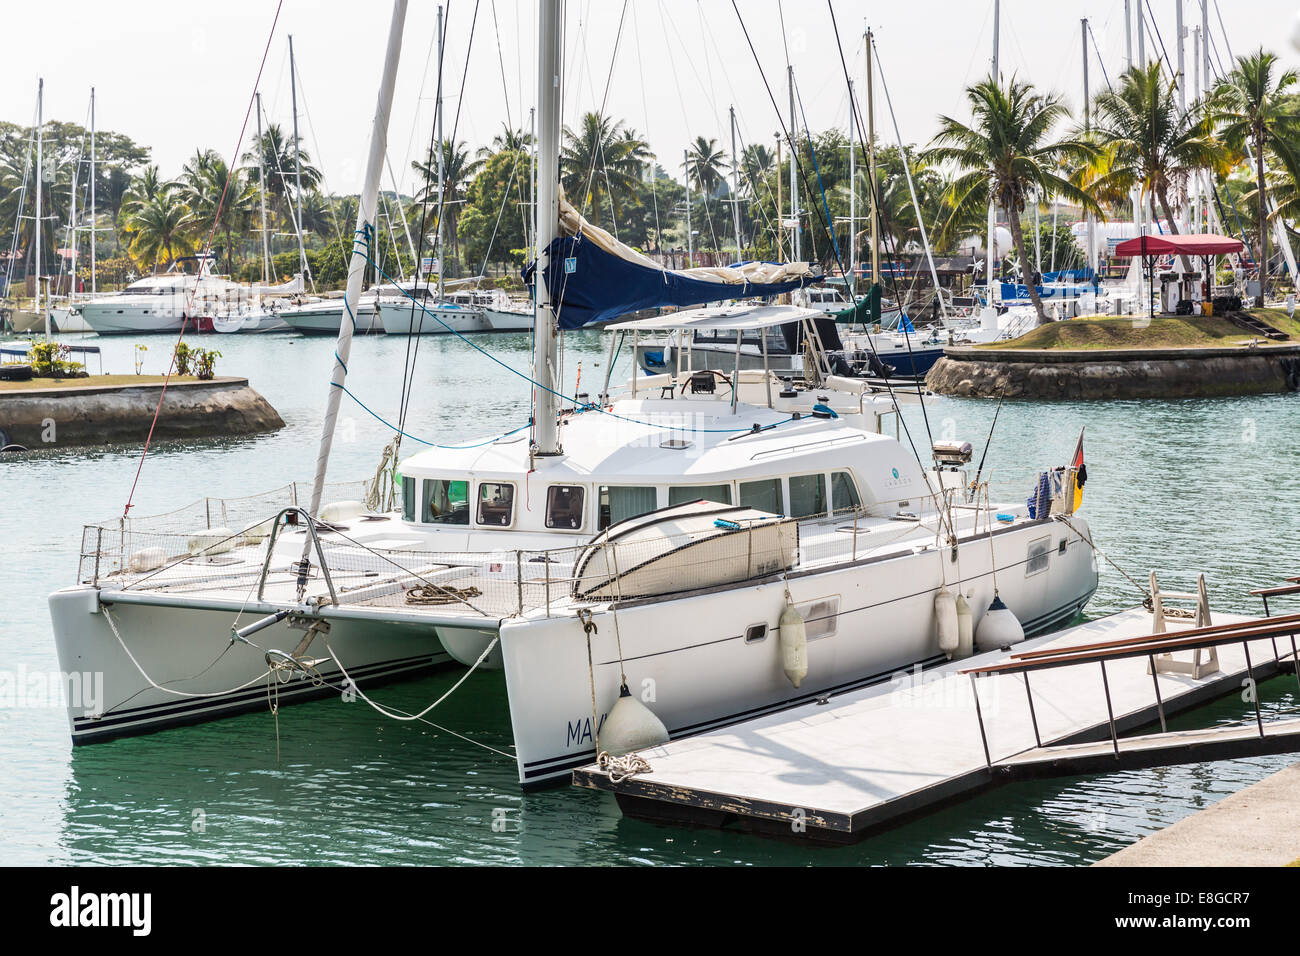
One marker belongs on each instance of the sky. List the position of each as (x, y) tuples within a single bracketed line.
[(180, 77)]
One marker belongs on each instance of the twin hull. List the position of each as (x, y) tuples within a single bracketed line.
[(689, 658)]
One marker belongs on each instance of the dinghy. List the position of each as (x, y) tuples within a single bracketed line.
[(696, 545)]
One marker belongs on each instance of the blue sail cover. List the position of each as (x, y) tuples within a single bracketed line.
[(597, 286)]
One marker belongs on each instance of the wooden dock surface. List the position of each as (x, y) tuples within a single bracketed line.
[(836, 771)]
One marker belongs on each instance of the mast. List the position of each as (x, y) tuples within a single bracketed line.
[(690, 250), (40, 178), (546, 438), (1128, 35), (93, 282), (1087, 126), (1142, 35), (853, 204), (297, 163), (1197, 192), (1204, 66), (993, 205), (735, 186), (780, 203), (871, 160), (442, 155), (532, 176), (797, 243), (366, 208), (72, 225), (261, 178)]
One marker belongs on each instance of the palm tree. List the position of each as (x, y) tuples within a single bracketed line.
[(603, 158), (276, 152), (458, 169), (1009, 150), (1251, 109), (219, 198), (1149, 143), (156, 220), (756, 161), (508, 139), (706, 161)]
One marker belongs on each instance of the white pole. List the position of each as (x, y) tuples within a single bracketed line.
[(401, 214), (366, 210), (735, 185), (993, 206), (532, 177), (690, 251), (546, 440), (1142, 35), (853, 204), (40, 178), (261, 177), (442, 172), (871, 158), (797, 245), (1197, 184), (72, 226), (297, 165), (1128, 35), (93, 283), (1087, 125)]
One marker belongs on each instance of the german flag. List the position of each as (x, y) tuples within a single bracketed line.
[(1080, 473)]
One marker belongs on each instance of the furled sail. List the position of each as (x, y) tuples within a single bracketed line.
[(600, 278)]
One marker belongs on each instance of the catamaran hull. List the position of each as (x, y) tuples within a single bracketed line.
[(401, 318), (206, 675), (689, 660)]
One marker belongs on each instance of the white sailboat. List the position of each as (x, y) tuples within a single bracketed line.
[(516, 553)]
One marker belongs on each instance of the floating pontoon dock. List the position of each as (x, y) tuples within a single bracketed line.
[(836, 769)]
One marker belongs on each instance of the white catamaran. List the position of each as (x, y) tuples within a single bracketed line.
[(659, 542)]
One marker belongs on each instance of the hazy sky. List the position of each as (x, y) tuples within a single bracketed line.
[(176, 77)]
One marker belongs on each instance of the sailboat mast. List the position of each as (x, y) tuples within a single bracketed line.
[(871, 158), (366, 208), (93, 282), (40, 179), (993, 205), (797, 242), (72, 225), (261, 179), (442, 170), (546, 438), (853, 204), (297, 162), (690, 250), (1087, 126), (735, 186)]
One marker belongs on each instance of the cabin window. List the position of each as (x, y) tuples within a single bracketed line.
[(446, 501), (681, 494), (564, 506), (820, 617), (764, 495), (618, 503), (496, 503), (844, 493), (1039, 555), (807, 496), (408, 497)]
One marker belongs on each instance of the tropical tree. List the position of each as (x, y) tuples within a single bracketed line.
[(602, 162), (218, 197), (1252, 110), (493, 224), (157, 221), (1009, 151), (458, 170), (284, 166), (706, 164)]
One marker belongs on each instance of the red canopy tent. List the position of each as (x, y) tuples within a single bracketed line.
[(1151, 248), (1197, 244)]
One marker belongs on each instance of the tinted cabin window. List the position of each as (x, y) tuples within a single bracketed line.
[(446, 502), (496, 503), (681, 494), (765, 495), (564, 506), (807, 496), (408, 498), (844, 493), (619, 503)]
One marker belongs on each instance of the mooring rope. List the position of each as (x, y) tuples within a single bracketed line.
[(1148, 601)]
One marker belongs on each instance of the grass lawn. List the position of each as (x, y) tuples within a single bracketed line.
[(1162, 332), (93, 380)]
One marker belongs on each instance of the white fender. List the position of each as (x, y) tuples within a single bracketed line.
[(211, 541), (945, 612), (794, 645), (998, 628), (147, 559), (965, 627), (337, 511), (631, 725)]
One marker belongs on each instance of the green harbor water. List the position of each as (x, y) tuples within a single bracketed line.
[(1178, 487)]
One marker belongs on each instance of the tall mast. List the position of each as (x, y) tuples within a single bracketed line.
[(297, 163), (735, 186), (1196, 97), (1204, 67), (366, 209), (93, 282), (442, 171), (993, 204), (261, 178), (546, 438), (1142, 36), (532, 176), (853, 204), (72, 225), (780, 203), (1087, 126), (40, 178), (1128, 35), (871, 159), (797, 242), (690, 249)]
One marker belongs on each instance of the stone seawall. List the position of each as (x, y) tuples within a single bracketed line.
[(1115, 373), (100, 414)]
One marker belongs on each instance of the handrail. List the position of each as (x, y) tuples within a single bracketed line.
[(302, 565), (1154, 638)]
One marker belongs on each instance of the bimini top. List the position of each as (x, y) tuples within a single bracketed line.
[(1197, 244), (734, 318)]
